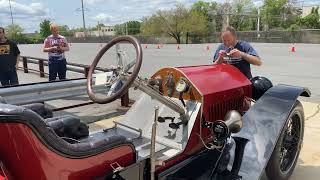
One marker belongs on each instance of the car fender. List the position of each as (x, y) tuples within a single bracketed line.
[(262, 125)]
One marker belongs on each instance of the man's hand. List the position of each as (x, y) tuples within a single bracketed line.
[(53, 49), (236, 53), (222, 54)]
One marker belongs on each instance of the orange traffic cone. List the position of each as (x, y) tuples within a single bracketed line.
[(293, 48), (158, 46), (208, 48), (178, 47), (146, 46)]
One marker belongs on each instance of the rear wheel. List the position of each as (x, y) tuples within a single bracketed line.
[(286, 152)]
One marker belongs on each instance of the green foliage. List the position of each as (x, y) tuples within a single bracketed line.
[(97, 27), (208, 10), (239, 20), (175, 23), (45, 28), (311, 21), (133, 28), (81, 29), (65, 31), (14, 32), (279, 14)]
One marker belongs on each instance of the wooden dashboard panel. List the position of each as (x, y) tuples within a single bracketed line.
[(191, 94)]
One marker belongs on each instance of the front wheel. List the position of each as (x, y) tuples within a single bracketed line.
[(286, 152)]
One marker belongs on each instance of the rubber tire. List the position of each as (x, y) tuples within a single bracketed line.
[(273, 171)]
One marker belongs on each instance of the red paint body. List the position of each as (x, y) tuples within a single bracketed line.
[(26, 157), (217, 84)]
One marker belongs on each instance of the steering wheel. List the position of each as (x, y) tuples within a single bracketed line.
[(118, 73)]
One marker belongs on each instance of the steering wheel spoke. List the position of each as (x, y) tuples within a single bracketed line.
[(115, 83)]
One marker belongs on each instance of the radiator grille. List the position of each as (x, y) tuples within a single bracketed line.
[(218, 110)]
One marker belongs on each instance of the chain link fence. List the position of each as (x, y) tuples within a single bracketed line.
[(301, 36)]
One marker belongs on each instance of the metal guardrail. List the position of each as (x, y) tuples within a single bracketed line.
[(47, 91), (74, 67), (73, 87)]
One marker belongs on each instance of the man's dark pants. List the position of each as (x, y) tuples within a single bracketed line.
[(57, 67), (9, 77)]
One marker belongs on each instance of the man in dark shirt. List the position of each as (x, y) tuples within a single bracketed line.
[(237, 53), (9, 56)]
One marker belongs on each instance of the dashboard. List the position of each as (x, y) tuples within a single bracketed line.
[(173, 83)]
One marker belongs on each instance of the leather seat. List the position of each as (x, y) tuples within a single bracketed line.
[(18, 114), (68, 126), (40, 109)]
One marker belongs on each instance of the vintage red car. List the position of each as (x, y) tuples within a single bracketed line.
[(198, 122)]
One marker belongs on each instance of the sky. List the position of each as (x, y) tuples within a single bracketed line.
[(29, 13)]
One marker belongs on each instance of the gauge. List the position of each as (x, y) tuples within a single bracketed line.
[(182, 86), (170, 85)]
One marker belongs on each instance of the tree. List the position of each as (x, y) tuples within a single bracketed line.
[(279, 14), (65, 31), (97, 27), (175, 23), (133, 28), (311, 21), (208, 10), (14, 32), (45, 28), (243, 18)]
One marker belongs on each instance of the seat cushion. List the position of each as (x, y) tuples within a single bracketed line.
[(68, 126), (40, 109)]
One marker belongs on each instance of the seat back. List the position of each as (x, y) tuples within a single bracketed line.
[(18, 114)]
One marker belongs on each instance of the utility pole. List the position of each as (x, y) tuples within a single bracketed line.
[(228, 12), (258, 24), (11, 12), (126, 28), (83, 19), (98, 27)]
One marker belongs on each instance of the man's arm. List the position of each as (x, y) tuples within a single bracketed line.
[(47, 48), (219, 55), (251, 59), (65, 48), (251, 56), (18, 60)]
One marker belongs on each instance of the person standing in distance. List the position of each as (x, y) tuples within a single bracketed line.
[(9, 59), (237, 53), (56, 46)]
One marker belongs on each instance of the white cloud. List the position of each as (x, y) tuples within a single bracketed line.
[(22, 10), (103, 17), (27, 15), (94, 1)]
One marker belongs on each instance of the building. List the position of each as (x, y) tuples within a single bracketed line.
[(103, 31)]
